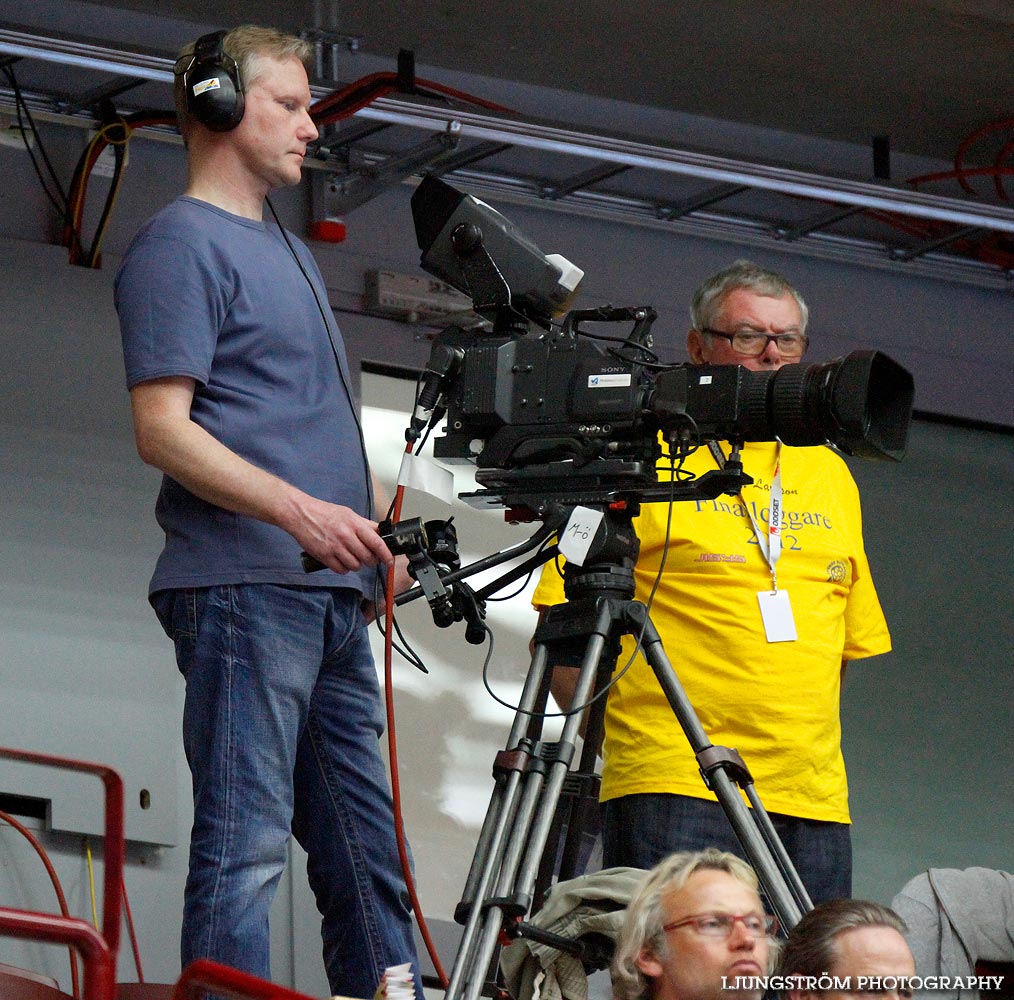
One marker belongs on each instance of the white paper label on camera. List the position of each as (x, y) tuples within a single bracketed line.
[(606, 381), (426, 476), (576, 538), (776, 613)]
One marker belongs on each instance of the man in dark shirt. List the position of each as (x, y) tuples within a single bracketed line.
[(240, 394)]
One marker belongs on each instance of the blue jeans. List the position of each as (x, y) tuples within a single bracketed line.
[(640, 830), (281, 729)]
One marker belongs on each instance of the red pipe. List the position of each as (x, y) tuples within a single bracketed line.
[(98, 958), (112, 884), (228, 982)]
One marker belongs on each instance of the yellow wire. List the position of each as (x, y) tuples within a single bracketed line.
[(91, 881), (128, 131), (77, 207), (113, 196), (79, 194)]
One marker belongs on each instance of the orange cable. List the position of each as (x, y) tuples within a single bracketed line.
[(984, 130), (132, 934), (392, 744), (945, 175), (1005, 151), (54, 878)]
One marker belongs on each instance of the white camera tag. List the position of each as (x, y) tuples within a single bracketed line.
[(576, 538)]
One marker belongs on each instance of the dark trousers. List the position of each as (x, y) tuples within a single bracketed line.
[(640, 830)]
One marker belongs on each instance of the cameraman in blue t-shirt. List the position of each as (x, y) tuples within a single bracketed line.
[(239, 388)]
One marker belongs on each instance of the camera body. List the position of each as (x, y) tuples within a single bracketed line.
[(550, 397), (545, 397)]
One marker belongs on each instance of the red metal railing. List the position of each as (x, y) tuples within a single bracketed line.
[(228, 983), (99, 962), (98, 951)]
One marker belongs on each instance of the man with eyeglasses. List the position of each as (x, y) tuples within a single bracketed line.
[(758, 624), (694, 930)]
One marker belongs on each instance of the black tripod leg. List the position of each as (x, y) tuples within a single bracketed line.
[(499, 823), (522, 820), (786, 907), (521, 736), (578, 807), (600, 639), (777, 848)]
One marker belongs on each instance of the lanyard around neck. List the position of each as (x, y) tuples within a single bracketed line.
[(769, 541)]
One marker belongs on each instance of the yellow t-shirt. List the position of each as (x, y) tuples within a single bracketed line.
[(776, 703)]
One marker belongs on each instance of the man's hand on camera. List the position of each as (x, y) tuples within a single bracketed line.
[(338, 537)]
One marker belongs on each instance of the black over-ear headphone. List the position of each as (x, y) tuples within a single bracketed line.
[(212, 84)]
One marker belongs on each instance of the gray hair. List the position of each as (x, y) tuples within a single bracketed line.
[(810, 949), (708, 299), (246, 44), (644, 918)]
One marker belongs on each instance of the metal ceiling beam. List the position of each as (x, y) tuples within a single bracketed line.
[(350, 131), (417, 113), (465, 157), (706, 198), (818, 222), (355, 189), (802, 183), (86, 56), (743, 232), (929, 245), (623, 153), (593, 175)]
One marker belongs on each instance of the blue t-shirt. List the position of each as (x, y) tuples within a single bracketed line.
[(221, 299)]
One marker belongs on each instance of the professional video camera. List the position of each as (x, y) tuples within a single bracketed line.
[(545, 408)]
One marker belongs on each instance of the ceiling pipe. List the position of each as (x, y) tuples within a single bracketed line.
[(653, 157), (552, 138), (417, 113)]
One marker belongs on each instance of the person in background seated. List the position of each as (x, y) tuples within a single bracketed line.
[(857, 945), (959, 919), (693, 929)]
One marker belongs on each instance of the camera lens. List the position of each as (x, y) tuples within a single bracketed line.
[(861, 403)]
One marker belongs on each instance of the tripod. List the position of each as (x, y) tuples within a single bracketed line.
[(530, 774)]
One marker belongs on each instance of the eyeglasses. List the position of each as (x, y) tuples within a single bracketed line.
[(720, 925), (754, 344)]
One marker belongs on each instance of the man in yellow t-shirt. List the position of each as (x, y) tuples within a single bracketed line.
[(726, 601)]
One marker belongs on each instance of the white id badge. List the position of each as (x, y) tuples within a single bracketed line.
[(776, 613), (576, 538)]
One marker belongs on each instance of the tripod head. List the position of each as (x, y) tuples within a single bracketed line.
[(607, 566)]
